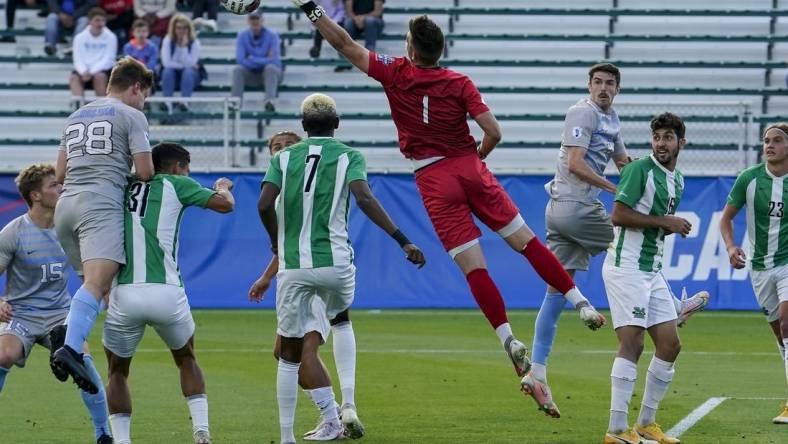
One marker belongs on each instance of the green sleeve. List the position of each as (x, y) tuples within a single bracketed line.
[(190, 192), (631, 185), (738, 195), (274, 173), (357, 168)]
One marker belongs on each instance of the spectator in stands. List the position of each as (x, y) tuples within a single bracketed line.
[(259, 61), (180, 58), (65, 14), (140, 48), (209, 7), (10, 14), (334, 9), (365, 17), (157, 13), (120, 16), (95, 49)]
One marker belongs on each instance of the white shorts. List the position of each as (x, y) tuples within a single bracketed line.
[(318, 321), (637, 298), (133, 306), (296, 290), (771, 289)]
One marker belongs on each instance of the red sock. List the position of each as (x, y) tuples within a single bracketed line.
[(487, 296), (547, 266)]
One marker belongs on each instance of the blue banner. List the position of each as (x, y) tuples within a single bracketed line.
[(221, 255)]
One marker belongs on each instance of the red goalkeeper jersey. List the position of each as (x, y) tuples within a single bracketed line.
[(429, 106)]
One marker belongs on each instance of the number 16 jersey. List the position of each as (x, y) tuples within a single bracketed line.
[(99, 141)]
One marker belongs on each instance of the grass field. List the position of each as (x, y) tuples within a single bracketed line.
[(423, 376)]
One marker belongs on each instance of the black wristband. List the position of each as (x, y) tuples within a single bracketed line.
[(401, 239), (313, 11)]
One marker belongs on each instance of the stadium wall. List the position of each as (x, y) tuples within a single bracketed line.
[(221, 255)]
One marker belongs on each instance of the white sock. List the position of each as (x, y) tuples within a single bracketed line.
[(677, 305), (504, 331), (575, 297), (345, 360), (781, 348), (785, 358), (287, 396), (539, 371), (323, 398), (121, 427), (622, 378), (198, 407), (658, 378)]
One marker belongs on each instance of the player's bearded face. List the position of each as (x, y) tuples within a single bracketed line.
[(666, 146), (50, 191), (775, 146)]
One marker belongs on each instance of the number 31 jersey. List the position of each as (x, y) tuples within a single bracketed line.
[(313, 177), (99, 141), (767, 229), (153, 214)]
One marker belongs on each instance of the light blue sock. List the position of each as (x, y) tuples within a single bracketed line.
[(96, 404), (546, 325), (3, 372), (81, 317)]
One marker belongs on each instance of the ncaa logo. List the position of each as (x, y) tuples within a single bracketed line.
[(385, 59), (577, 132)]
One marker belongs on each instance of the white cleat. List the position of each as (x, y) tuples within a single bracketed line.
[(202, 437), (353, 427), (782, 418), (592, 318), (518, 353), (690, 306), (328, 431)]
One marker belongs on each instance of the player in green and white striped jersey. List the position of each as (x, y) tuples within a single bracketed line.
[(763, 189), (304, 206), (647, 195), (150, 289)]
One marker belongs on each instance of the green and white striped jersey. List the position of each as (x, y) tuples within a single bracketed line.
[(153, 213), (648, 188), (765, 195), (312, 209)]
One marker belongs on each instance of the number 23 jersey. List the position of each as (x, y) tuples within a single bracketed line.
[(767, 229), (99, 140)]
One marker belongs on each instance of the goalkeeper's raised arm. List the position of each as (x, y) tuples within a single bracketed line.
[(335, 35)]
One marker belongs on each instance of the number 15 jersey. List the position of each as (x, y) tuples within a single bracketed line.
[(313, 177), (99, 141)]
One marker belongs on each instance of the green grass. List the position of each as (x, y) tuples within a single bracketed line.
[(423, 376)]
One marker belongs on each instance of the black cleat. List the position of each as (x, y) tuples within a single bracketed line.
[(71, 362), (105, 439), (57, 337)]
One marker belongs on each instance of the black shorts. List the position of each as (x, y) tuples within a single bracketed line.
[(89, 83)]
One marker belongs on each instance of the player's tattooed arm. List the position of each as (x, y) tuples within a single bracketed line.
[(371, 207), (579, 167), (492, 133), (736, 255), (143, 166), (624, 216), (335, 35)]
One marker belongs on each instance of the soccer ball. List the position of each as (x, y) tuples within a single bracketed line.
[(241, 7)]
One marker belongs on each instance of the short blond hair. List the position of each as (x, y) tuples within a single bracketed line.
[(318, 107), (127, 72), (782, 126), (31, 179)]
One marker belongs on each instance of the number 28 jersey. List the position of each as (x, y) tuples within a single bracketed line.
[(429, 106), (153, 214), (767, 228), (99, 141), (313, 177)]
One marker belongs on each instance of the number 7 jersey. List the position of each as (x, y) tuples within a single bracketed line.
[(153, 214), (99, 140), (767, 229), (313, 177)]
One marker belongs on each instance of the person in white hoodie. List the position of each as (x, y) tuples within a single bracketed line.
[(95, 49)]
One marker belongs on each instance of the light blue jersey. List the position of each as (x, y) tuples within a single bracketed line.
[(35, 267), (586, 126)]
